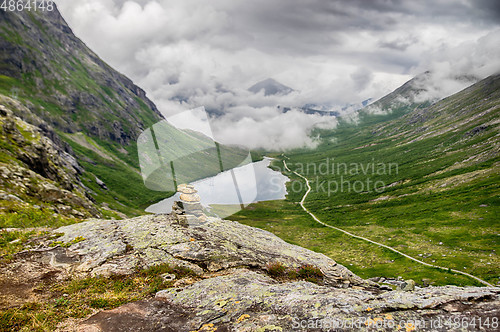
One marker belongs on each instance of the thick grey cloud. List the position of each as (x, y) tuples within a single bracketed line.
[(194, 53)]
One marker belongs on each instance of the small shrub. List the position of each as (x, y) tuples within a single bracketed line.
[(293, 274), (307, 272), (276, 270)]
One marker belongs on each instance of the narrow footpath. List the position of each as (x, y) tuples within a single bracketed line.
[(373, 242)]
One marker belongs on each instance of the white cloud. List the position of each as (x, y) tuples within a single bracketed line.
[(189, 53), (455, 68), (275, 131)]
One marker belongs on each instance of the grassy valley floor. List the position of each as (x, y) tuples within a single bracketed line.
[(426, 184)]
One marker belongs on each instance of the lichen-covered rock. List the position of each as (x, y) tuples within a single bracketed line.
[(249, 301), (407, 286), (113, 246), (36, 167), (234, 291)]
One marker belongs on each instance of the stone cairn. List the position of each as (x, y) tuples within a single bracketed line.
[(188, 210)]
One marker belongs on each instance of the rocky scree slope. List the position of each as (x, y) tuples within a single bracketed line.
[(86, 108), (234, 290), (36, 171), (42, 60)]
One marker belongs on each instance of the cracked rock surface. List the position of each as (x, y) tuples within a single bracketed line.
[(233, 291), (249, 301), (119, 246)]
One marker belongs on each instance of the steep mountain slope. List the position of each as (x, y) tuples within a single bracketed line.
[(392, 106), (417, 93), (87, 110), (42, 60), (473, 110), (37, 177), (425, 183)]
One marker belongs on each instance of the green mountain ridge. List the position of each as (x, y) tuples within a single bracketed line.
[(440, 204), (44, 62), (70, 124), (90, 113), (416, 94)]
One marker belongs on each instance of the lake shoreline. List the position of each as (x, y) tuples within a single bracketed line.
[(254, 182)]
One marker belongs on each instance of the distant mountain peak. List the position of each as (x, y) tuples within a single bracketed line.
[(270, 87)]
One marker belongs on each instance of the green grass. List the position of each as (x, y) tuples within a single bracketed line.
[(126, 193), (7, 83), (28, 216), (288, 221), (12, 242), (441, 206), (78, 298), (25, 223), (11, 36)]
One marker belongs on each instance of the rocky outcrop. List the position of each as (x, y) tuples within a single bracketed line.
[(234, 290), (37, 151), (119, 246), (249, 301), (36, 168), (18, 180), (72, 88)]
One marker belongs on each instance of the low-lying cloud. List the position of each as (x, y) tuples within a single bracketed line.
[(272, 132), (453, 69), (188, 53)]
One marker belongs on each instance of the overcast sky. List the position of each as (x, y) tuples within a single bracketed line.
[(189, 53)]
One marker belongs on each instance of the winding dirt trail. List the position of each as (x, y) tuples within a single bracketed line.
[(373, 242)]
